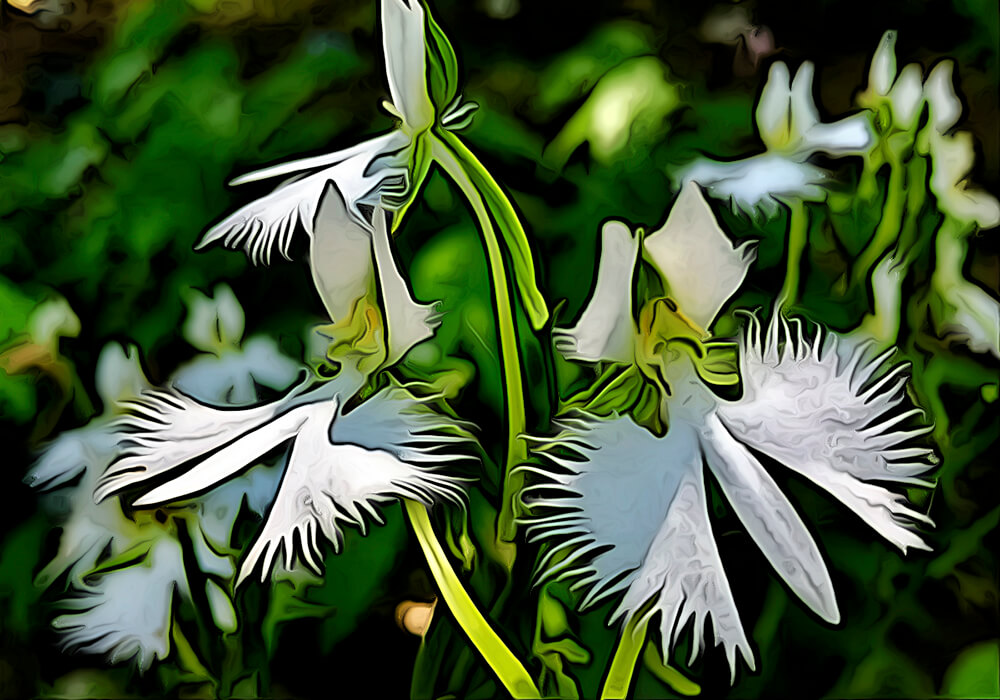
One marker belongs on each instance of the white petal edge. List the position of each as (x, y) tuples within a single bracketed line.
[(606, 330), (698, 263)]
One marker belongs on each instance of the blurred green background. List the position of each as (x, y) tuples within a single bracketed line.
[(121, 122)]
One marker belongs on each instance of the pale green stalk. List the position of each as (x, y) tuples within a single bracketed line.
[(457, 161), (623, 663), (505, 665), (888, 226), (798, 231)]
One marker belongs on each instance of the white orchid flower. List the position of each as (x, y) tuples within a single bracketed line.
[(628, 510), (790, 127), (901, 93), (342, 462), (107, 555), (333, 197)]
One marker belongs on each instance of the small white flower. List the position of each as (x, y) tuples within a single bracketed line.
[(790, 127), (628, 510)]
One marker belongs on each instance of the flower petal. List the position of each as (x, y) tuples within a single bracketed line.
[(774, 108), (883, 68), (759, 183), (849, 136), (167, 429), (907, 97), (606, 329), (407, 322), (944, 103), (215, 323), (106, 620), (813, 411), (406, 62), (327, 484), (770, 519), (269, 222), (630, 513), (696, 260)]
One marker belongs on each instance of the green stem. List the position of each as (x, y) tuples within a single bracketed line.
[(504, 664), (456, 165), (798, 231), (624, 661), (888, 226)]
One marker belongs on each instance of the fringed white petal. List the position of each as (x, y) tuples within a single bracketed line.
[(407, 321), (406, 62), (167, 429), (606, 330), (106, 619), (697, 261), (833, 419), (269, 223), (628, 510), (327, 484)]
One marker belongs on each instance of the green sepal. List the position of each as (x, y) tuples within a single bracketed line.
[(420, 163), (442, 69), (622, 390)]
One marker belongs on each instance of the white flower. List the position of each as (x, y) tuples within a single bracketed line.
[(106, 555), (790, 127), (340, 465), (335, 198), (628, 510)]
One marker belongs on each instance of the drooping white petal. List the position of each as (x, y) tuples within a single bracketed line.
[(269, 223), (759, 183), (406, 62), (698, 263), (944, 103), (770, 519), (106, 619), (774, 108), (630, 515), (327, 484), (606, 330), (830, 418), (407, 322)]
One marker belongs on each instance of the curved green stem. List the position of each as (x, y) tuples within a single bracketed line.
[(456, 165), (888, 226), (798, 232), (504, 664), (623, 663)]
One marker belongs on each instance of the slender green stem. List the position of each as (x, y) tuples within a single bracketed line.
[(505, 665), (798, 231), (444, 154), (624, 661), (888, 226)]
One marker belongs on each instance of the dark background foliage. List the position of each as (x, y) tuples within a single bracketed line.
[(121, 122)]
